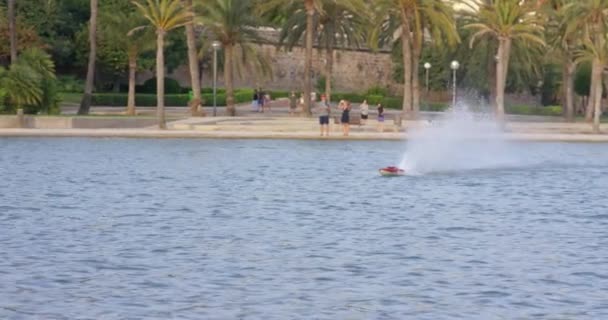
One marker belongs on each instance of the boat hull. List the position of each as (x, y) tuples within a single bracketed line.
[(391, 173)]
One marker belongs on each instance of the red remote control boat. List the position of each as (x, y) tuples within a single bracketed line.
[(392, 171)]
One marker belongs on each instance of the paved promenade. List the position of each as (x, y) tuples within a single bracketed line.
[(279, 125)]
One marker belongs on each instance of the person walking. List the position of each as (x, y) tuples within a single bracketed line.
[(364, 110), (293, 103), (380, 118), (261, 100), (345, 106), (324, 110), (254, 104)]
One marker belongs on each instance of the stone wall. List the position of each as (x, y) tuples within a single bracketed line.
[(354, 71)]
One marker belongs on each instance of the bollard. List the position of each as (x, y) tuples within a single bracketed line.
[(20, 118)]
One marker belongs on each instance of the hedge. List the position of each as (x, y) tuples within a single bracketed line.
[(534, 110), (143, 100)]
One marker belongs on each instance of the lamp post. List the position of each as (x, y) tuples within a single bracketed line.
[(454, 65), (216, 46), (427, 66)]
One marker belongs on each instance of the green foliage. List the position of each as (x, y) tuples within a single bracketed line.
[(352, 97), (208, 99), (279, 94), (70, 83), (30, 83), (144, 100), (582, 79), (171, 86), (374, 99), (534, 110), (392, 103), (378, 90), (320, 85)]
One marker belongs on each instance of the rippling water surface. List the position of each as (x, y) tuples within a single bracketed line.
[(229, 229)]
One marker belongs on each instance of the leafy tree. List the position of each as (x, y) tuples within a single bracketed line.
[(508, 21), (233, 23), (340, 24), (85, 103), (163, 16)]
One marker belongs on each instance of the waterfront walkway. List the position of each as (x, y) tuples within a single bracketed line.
[(278, 124)]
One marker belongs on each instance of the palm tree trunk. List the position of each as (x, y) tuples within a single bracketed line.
[(12, 30), (417, 46), (329, 72), (132, 70), (228, 56), (596, 82), (85, 103), (310, 11), (195, 80), (568, 85), (406, 42), (502, 66), (160, 79), (491, 69), (590, 100)]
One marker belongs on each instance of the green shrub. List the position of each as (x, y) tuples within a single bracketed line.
[(70, 83), (171, 87), (279, 94), (241, 96), (208, 99), (377, 91), (434, 106), (392, 102), (210, 90), (352, 97), (374, 99), (141, 100), (534, 110)]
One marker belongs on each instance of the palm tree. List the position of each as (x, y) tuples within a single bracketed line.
[(564, 45), (339, 24), (195, 79), (23, 81), (163, 16), (12, 30), (233, 23), (591, 18), (85, 103), (310, 7), (116, 27), (408, 21), (506, 21)]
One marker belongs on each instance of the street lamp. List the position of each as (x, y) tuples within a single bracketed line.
[(216, 46), (427, 66), (454, 65)]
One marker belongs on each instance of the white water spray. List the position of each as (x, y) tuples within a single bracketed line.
[(459, 140)]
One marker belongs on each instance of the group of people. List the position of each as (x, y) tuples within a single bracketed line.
[(324, 109), (261, 101)]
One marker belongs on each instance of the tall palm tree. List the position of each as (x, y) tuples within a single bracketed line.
[(233, 23), (507, 21), (563, 44), (339, 24), (12, 30), (310, 7), (163, 16), (407, 22), (591, 18), (195, 79), (85, 103), (116, 31)]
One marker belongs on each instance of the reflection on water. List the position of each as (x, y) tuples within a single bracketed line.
[(196, 229)]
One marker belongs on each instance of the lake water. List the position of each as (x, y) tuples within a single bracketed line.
[(233, 229)]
